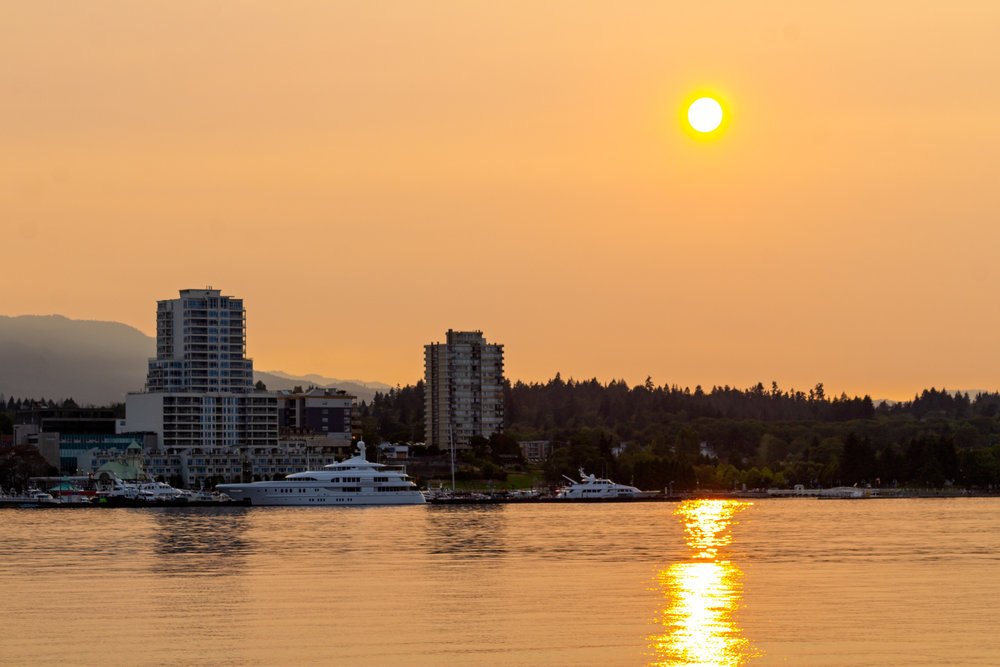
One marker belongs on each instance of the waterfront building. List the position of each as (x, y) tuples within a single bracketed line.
[(199, 388), (127, 465), (191, 419), (388, 450), (64, 434), (325, 412), (75, 448), (47, 443), (67, 419), (197, 467), (535, 451), (463, 389), (200, 344)]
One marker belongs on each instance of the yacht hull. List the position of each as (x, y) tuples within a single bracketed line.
[(264, 494), (354, 481)]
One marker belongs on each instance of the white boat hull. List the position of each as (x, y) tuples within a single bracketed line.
[(598, 494), (264, 494), (590, 487), (354, 481)]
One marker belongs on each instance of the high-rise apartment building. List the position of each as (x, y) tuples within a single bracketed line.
[(463, 389), (199, 389), (200, 344)]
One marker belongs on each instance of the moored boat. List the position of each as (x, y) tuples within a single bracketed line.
[(591, 487), (31, 498), (354, 481)]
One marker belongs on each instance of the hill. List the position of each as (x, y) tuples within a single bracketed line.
[(94, 362), (54, 357)]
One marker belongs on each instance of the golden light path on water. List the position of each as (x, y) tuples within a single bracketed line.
[(702, 595)]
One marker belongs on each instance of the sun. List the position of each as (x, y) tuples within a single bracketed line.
[(705, 114)]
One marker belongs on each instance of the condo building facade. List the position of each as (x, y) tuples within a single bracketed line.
[(200, 344), (463, 389), (188, 419), (199, 388)]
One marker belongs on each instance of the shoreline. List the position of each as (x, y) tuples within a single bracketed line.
[(495, 498)]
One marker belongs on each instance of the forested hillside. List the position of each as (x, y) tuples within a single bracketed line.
[(653, 435)]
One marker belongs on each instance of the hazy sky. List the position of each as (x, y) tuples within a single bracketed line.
[(368, 174)]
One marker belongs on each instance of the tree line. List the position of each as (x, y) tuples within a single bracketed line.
[(722, 437), (725, 436)]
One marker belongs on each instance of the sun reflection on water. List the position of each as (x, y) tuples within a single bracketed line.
[(698, 624)]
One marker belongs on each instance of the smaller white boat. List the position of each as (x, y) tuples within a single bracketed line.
[(591, 487), (146, 491), (32, 498), (848, 492), (202, 496), (154, 491)]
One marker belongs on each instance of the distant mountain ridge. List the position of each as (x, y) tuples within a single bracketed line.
[(321, 381), (54, 357), (275, 380), (97, 362)]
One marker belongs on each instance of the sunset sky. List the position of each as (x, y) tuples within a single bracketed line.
[(369, 174)]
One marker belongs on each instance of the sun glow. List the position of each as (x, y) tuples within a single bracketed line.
[(704, 115)]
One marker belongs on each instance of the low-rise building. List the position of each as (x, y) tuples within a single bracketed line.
[(387, 450), (62, 433), (328, 413), (535, 451), (75, 448), (46, 443), (198, 466), (56, 419)]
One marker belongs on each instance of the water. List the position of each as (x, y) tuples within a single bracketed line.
[(798, 582)]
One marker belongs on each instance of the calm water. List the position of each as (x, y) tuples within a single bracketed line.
[(798, 582)]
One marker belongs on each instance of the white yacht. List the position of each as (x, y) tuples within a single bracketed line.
[(154, 491), (591, 487), (149, 491), (32, 497), (354, 481)]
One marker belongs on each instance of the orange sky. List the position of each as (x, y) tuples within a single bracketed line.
[(368, 174)]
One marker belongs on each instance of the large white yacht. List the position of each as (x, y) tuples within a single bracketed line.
[(591, 487), (354, 481)]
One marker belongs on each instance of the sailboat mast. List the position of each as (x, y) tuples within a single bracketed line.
[(451, 439)]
